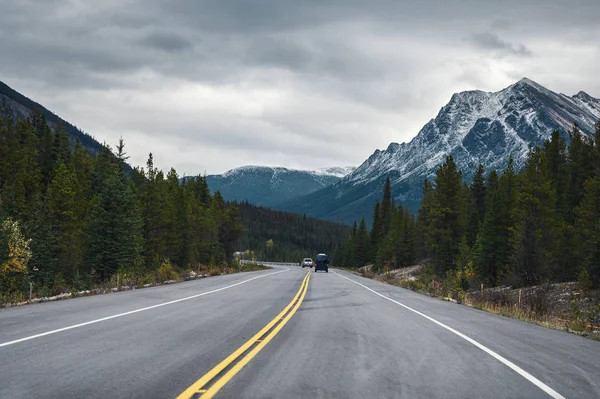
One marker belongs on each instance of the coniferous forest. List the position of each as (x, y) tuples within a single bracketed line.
[(539, 224), (289, 237), (70, 220)]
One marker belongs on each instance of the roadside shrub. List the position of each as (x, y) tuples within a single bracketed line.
[(59, 286), (15, 253), (166, 271), (213, 271)]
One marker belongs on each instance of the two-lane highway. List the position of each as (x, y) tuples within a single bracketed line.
[(333, 335)]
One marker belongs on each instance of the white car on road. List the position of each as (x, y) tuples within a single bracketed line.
[(307, 262)]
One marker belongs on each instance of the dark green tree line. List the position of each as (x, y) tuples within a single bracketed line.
[(536, 225), (91, 216)]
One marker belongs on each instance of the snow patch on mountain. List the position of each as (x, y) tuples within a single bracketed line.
[(277, 170)]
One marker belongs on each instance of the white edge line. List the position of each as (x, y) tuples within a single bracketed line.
[(490, 352), (16, 341)]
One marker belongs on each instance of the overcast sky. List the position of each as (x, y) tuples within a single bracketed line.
[(211, 85)]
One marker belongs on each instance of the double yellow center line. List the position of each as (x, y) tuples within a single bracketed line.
[(207, 386)]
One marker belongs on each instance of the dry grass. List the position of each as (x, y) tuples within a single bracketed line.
[(253, 267)]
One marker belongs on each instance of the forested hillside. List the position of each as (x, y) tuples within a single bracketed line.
[(70, 219), (289, 237), (538, 225)]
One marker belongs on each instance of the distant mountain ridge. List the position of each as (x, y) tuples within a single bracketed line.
[(474, 127), (268, 186), (16, 106)]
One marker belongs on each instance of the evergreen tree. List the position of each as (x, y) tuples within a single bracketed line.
[(390, 247), (386, 208), (488, 249), (407, 249), (114, 232), (555, 153), (423, 243), (588, 222), (376, 230), (45, 146), (477, 205), (361, 245), (61, 148), (230, 231), (534, 212), (446, 227), (66, 207), (580, 168)]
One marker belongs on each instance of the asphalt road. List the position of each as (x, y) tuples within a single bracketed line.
[(346, 340)]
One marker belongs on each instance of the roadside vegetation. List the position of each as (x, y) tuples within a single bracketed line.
[(166, 274), (566, 306), (535, 232)]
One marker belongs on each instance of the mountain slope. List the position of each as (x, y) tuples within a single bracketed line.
[(474, 127), (16, 106), (263, 185)]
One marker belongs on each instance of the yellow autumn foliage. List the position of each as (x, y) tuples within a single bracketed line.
[(14, 269)]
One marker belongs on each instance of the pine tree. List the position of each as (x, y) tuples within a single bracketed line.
[(386, 208), (153, 215), (376, 230), (173, 218), (389, 248), (477, 205), (446, 226), (534, 215), (230, 231), (61, 148), (588, 222), (362, 245), (408, 250), (423, 224), (114, 232), (5, 149), (66, 209), (45, 146), (44, 246), (555, 152), (488, 249), (580, 168)]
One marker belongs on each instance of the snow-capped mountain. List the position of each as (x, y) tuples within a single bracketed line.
[(264, 185), (474, 127)]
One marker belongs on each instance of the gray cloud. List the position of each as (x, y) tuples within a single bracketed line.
[(166, 41), (491, 41), (221, 83)]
